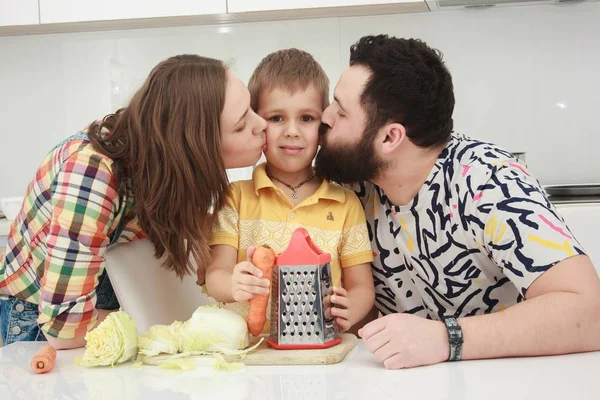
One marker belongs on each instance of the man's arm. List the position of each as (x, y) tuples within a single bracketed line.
[(561, 315), (518, 228)]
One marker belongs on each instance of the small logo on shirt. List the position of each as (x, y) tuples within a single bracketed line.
[(330, 216)]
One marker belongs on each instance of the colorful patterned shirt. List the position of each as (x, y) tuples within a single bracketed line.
[(55, 250), (476, 236)]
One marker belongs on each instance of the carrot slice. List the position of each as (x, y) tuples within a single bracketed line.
[(44, 360)]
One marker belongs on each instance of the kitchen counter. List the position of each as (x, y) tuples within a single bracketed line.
[(574, 199), (357, 377)]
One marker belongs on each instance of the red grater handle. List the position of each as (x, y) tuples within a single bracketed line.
[(302, 251)]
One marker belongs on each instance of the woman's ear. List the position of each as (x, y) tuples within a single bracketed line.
[(393, 135)]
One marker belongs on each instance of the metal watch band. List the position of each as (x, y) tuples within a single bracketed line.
[(455, 338)]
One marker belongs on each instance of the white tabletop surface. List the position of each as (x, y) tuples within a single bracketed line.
[(357, 377)]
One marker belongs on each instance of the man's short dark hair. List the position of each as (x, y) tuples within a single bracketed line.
[(409, 85)]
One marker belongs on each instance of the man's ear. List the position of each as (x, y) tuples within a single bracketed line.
[(392, 136)]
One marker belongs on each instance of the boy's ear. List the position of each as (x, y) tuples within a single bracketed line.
[(392, 135)]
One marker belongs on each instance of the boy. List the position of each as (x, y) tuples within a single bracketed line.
[(290, 90)]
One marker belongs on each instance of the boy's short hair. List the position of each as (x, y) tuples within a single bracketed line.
[(290, 69)]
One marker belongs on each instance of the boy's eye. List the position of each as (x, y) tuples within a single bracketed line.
[(306, 118), (276, 118)]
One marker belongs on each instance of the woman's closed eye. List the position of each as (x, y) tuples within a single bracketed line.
[(241, 128)]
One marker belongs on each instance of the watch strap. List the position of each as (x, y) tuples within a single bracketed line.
[(455, 338)]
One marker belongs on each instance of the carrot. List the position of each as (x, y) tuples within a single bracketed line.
[(264, 259), (44, 360)]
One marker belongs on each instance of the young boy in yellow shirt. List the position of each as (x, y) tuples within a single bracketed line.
[(290, 90)]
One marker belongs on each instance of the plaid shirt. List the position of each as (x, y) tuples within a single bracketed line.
[(56, 245)]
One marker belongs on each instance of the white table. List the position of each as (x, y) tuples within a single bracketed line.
[(357, 377)]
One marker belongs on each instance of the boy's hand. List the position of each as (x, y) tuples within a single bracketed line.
[(337, 305), (247, 280)]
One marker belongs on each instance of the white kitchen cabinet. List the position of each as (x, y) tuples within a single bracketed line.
[(242, 6), (19, 12), (61, 11)]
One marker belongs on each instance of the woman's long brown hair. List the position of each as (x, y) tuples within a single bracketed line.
[(167, 142)]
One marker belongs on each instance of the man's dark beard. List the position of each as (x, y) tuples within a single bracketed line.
[(347, 163)]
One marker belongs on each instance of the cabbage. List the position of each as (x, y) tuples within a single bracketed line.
[(114, 341), (212, 329), (161, 339), (184, 364), (222, 365)]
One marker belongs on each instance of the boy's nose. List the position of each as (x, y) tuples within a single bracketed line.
[(291, 130), (291, 133)]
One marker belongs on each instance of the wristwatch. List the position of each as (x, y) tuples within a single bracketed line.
[(455, 338)]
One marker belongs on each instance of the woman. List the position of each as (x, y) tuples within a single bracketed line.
[(154, 169)]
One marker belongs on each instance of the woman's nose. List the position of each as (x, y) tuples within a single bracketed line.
[(261, 125)]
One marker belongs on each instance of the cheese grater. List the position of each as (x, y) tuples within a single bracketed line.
[(301, 282)]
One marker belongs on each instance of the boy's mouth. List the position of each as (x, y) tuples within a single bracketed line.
[(292, 150)]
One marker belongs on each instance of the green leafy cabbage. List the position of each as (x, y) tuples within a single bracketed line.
[(113, 341)]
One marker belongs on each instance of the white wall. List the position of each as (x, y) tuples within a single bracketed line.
[(527, 78)]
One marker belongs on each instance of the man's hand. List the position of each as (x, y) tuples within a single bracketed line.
[(406, 341), (337, 305)]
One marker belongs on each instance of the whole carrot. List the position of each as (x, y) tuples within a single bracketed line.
[(264, 259), (44, 360)]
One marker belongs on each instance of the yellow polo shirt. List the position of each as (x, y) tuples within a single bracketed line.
[(257, 213)]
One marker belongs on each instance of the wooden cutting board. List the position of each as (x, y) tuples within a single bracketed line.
[(265, 355)]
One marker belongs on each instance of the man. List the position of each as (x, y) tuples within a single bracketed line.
[(472, 260)]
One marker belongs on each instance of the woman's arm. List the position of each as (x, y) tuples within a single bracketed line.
[(84, 203), (65, 344)]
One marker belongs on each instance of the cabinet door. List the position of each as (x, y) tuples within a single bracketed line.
[(19, 12), (57, 11), (238, 6)]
